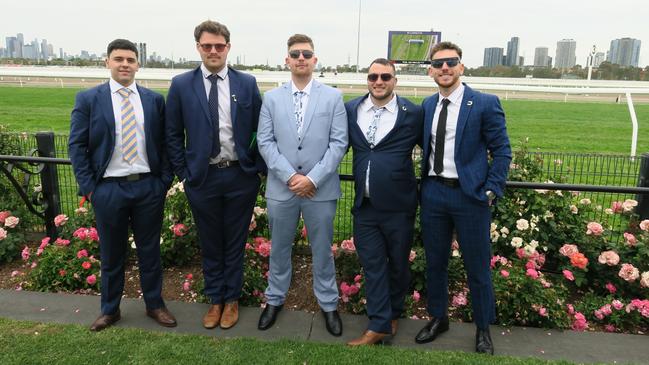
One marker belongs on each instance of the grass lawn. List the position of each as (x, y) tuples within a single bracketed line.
[(550, 126), (35, 343)]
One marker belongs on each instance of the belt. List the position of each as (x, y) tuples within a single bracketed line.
[(453, 183), (129, 178), (224, 164)]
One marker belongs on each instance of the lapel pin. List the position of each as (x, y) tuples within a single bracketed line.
[(234, 98), (403, 107), (468, 103)]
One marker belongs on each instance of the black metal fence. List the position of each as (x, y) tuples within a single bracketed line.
[(568, 168)]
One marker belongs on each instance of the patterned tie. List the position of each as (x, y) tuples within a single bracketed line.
[(374, 124), (440, 137), (213, 103), (129, 140), (297, 109)]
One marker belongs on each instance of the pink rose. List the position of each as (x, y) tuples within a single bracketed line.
[(617, 304), (616, 207), (644, 279), (179, 229), (3, 234), (630, 239), (334, 249), (460, 300), (628, 205), (413, 255), (3, 215), (579, 260), (571, 309), (253, 224), (629, 273), (80, 233), (62, 242), (644, 225), (530, 264), (91, 279), (348, 245), (186, 286), (15, 273), (62, 272), (11, 221), (609, 258), (532, 273), (609, 328), (357, 278), (594, 228), (606, 309), (304, 233), (568, 275), (415, 296), (92, 234), (598, 314), (611, 288), (504, 273), (263, 248), (25, 253), (543, 312), (455, 245), (60, 220), (189, 276), (44, 242), (82, 253), (568, 250), (579, 323), (86, 265)]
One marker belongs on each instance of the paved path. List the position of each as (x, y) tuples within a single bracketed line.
[(583, 347)]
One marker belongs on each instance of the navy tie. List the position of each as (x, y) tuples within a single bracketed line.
[(213, 103), (440, 137)]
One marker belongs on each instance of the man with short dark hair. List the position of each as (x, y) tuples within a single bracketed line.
[(302, 137), (212, 115), (383, 130), (463, 128), (118, 156)]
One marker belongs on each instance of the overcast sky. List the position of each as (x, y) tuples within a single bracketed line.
[(259, 28)]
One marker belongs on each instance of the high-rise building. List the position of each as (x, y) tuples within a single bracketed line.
[(624, 52), (599, 58), (142, 58), (19, 46), (541, 58), (565, 57), (512, 52), (493, 56), (61, 53), (11, 43), (45, 50)]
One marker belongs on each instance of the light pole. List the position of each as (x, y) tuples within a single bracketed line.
[(591, 61), (358, 37)]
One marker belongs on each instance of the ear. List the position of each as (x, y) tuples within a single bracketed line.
[(430, 71)]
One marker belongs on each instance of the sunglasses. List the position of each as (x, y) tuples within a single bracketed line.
[(375, 77), (207, 47), (296, 53), (439, 63)]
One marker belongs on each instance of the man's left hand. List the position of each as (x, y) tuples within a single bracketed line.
[(302, 186)]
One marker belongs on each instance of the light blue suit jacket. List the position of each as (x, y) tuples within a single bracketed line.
[(317, 154)]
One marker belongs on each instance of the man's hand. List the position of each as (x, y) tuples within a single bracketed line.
[(301, 186)]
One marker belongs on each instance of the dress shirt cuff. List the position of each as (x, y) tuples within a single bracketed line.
[(313, 182)]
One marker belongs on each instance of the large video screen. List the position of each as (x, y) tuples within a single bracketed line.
[(411, 47)]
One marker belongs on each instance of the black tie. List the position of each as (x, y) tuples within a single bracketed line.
[(440, 137), (213, 103)]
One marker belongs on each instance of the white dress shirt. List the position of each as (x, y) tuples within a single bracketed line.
[(226, 134), (453, 109), (118, 166), (386, 123), (305, 100)]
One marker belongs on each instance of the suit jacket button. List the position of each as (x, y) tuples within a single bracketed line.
[(299, 148), (299, 167)]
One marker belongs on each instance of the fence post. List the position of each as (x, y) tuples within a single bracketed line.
[(643, 181), (49, 182)]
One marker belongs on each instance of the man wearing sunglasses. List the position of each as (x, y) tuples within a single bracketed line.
[(212, 116), (302, 137), (462, 129), (383, 130)]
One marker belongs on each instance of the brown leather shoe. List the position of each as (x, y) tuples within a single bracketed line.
[(162, 316), (395, 325), (368, 338), (104, 321), (230, 315), (213, 316)]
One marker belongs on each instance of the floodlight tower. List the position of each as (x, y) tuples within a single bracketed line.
[(591, 59), (358, 37)]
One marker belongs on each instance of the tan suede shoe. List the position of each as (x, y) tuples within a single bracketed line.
[(213, 316), (368, 338), (230, 315)]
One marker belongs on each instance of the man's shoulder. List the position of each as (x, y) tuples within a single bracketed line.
[(242, 76), (146, 91), (407, 103), (327, 90), (185, 76), (91, 92)]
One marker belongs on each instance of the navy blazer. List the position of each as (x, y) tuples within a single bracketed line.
[(393, 186), (92, 135), (480, 130), (190, 131)]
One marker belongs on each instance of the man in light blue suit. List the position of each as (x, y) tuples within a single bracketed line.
[(462, 128), (302, 137)]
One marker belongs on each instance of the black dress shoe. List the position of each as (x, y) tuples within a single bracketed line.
[(432, 329), (333, 323), (105, 321), (268, 316), (483, 343)]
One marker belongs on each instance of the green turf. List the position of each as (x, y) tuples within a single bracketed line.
[(403, 50), (550, 126), (35, 343)]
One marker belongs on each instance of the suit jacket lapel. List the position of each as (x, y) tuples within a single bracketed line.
[(428, 124), (199, 89), (353, 115), (106, 103), (147, 104), (465, 110), (290, 109), (234, 90), (312, 106), (401, 115)]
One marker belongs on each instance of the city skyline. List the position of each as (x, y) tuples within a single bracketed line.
[(259, 37)]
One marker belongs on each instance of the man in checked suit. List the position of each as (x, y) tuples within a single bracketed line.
[(117, 150), (462, 129), (212, 115), (383, 130), (302, 137)]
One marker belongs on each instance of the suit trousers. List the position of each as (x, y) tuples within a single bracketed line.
[(318, 218), (383, 241), (443, 209), (222, 208), (140, 205)]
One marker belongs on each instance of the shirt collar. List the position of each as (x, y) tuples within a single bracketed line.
[(306, 90), (455, 97), (222, 74), (116, 86), (391, 106)]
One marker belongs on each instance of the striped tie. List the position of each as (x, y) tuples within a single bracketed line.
[(129, 140)]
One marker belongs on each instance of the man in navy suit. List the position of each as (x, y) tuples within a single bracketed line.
[(117, 150), (212, 116), (466, 159), (383, 130)]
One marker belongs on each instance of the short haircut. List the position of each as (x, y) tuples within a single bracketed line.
[(443, 46), (213, 27), (299, 38), (121, 44), (384, 62)]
